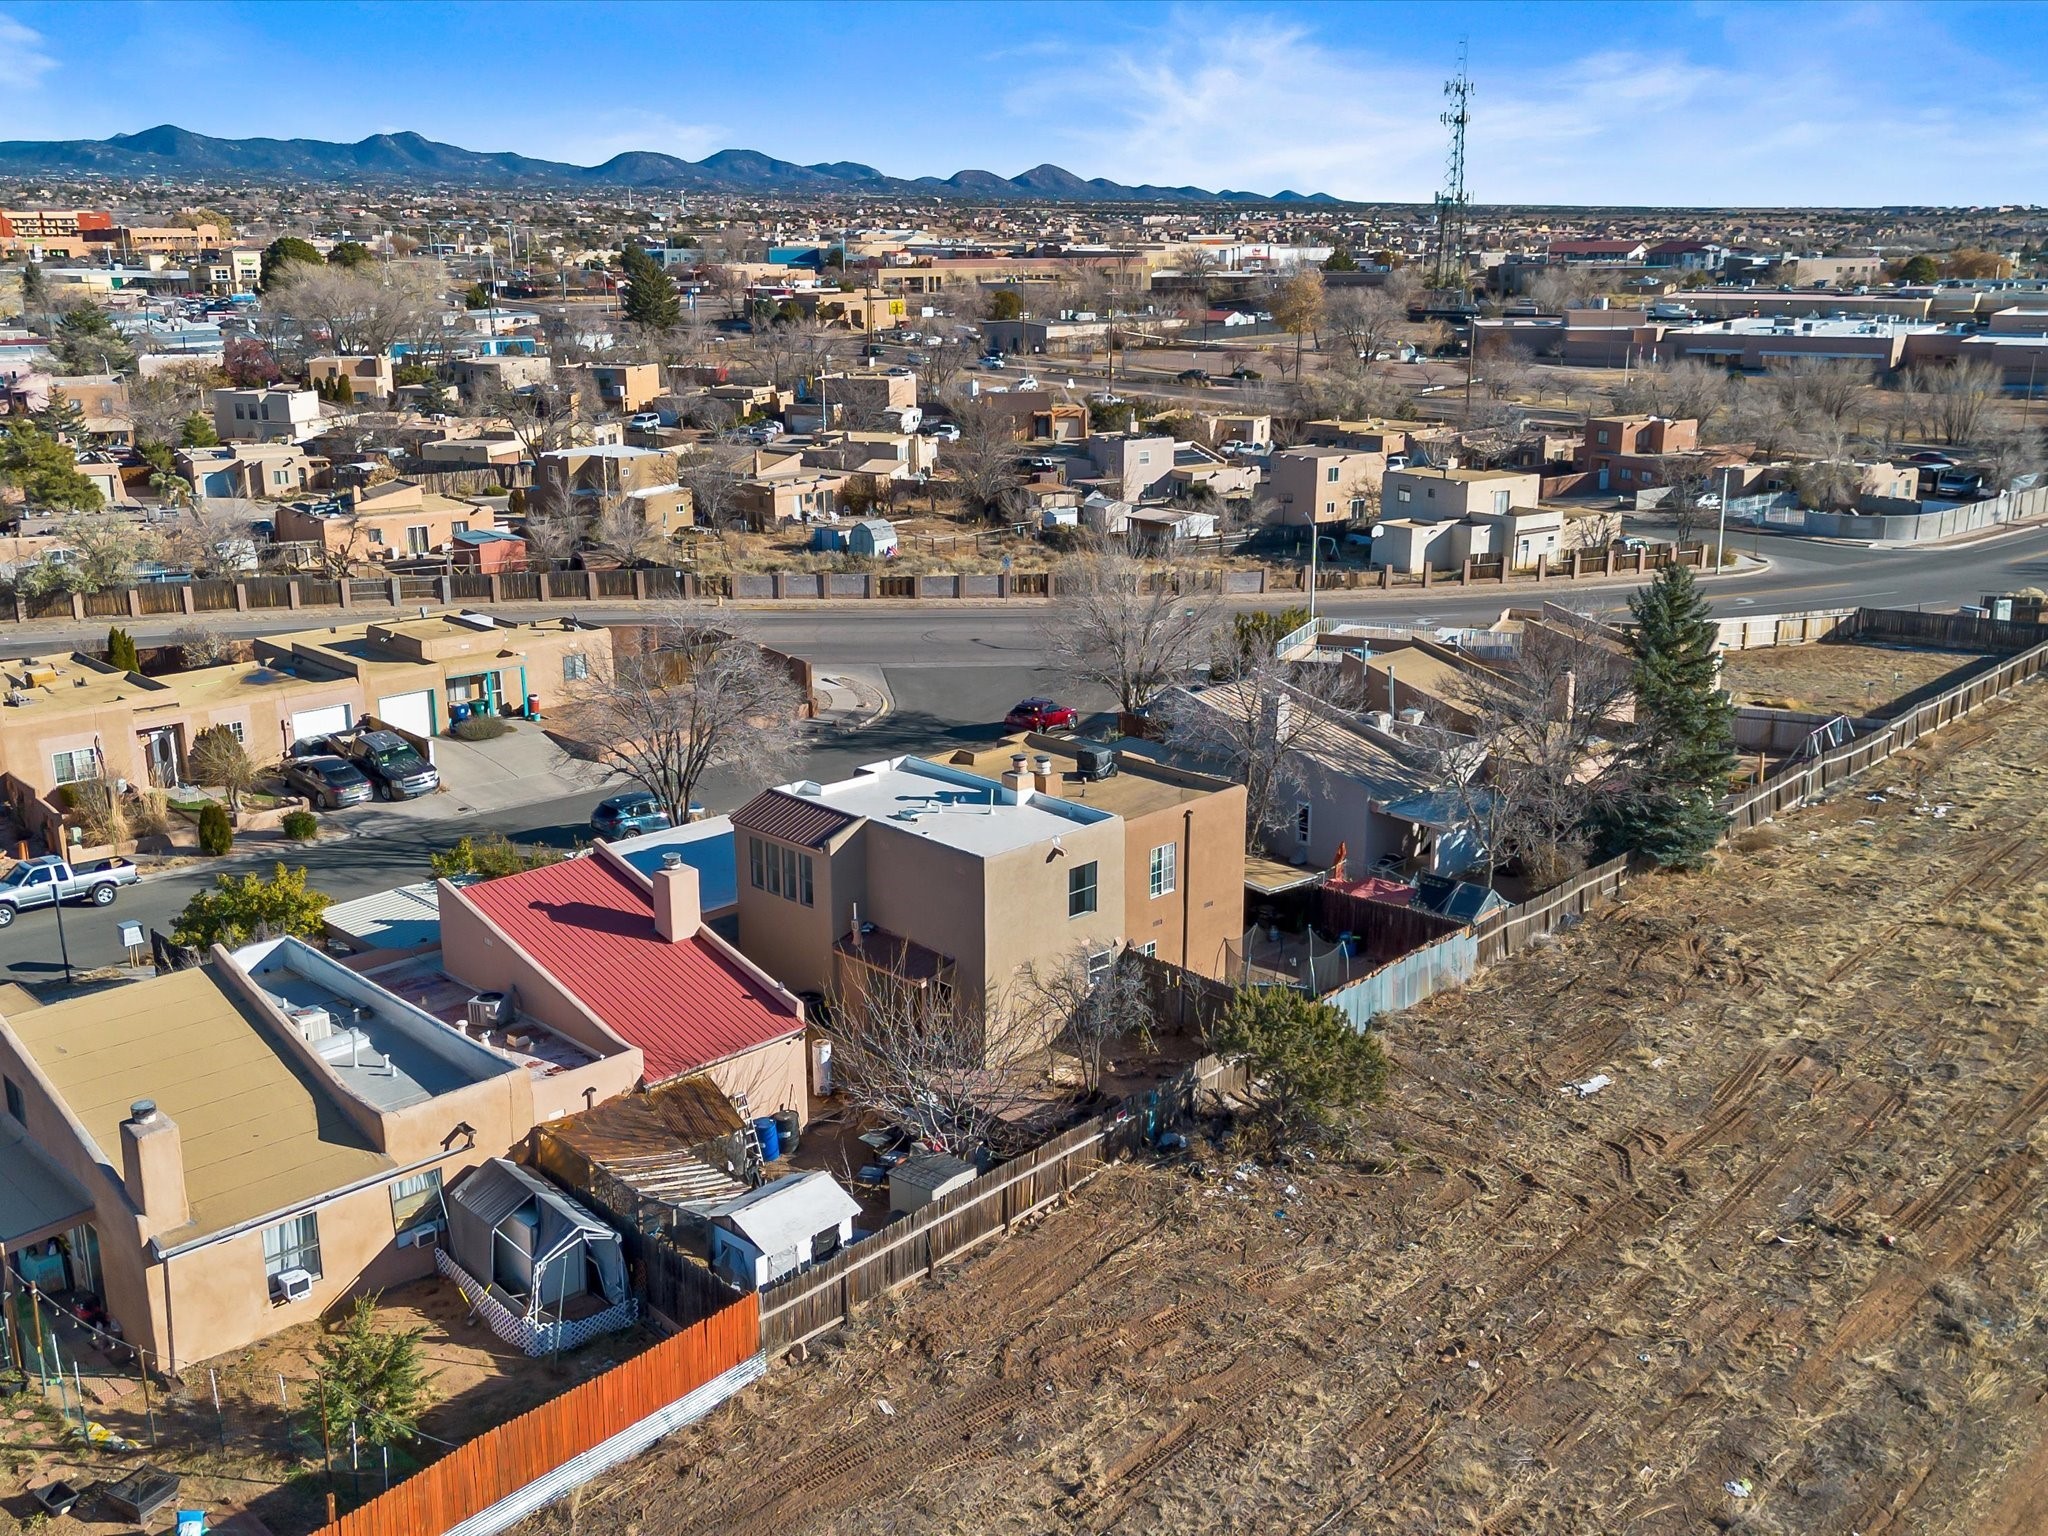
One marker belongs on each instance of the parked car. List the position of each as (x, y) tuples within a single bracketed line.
[(990, 360), (1026, 381), (46, 881), (1633, 545), (629, 815), (1246, 375), (328, 781), (1192, 376), (644, 421), (1040, 715), (943, 432), (395, 770)]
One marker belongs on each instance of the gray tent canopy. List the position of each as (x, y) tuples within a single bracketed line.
[(529, 1242)]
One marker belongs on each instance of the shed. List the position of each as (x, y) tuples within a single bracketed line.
[(920, 1180), (520, 1249), (780, 1228), (874, 537)]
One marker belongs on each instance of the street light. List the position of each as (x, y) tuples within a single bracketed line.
[(1721, 533), (63, 948)]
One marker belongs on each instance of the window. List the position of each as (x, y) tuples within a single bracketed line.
[(460, 525), (1081, 889), (14, 1105), (1164, 867), (416, 1201), (73, 767), (376, 535), (1628, 474), (1099, 966), (1334, 474), (416, 539), (293, 1244), (1301, 822), (1500, 502), (781, 872), (1404, 494), (1149, 947), (234, 729), (575, 667)]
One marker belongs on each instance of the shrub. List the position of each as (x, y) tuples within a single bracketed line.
[(299, 826), (480, 728), (1312, 1071), (215, 835), (244, 907), (495, 855)]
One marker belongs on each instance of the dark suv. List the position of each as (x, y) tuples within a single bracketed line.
[(393, 767)]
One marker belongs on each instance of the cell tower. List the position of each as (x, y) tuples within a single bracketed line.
[(1451, 202)]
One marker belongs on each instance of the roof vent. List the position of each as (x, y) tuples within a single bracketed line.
[(812, 788), (671, 861), (142, 1111)]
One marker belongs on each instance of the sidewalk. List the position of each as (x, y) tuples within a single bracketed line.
[(851, 698)]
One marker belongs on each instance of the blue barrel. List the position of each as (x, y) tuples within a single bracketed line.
[(771, 1138), (457, 713)]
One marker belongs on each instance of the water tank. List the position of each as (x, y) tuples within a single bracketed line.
[(770, 1137)]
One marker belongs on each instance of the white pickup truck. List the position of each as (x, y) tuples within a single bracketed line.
[(46, 881)]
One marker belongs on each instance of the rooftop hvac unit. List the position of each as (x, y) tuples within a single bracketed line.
[(289, 1285), (1092, 763), (487, 1010), (313, 1024)]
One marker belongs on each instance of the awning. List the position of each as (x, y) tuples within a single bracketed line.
[(37, 1198)]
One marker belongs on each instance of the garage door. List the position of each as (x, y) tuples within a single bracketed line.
[(319, 722), (409, 711)]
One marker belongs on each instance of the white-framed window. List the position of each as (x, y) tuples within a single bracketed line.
[(293, 1244), (1165, 867), (1301, 822), (781, 871), (1404, 494), (1334, 474), (416, 1201), (416, 541), (1500, 501), (75, 767), (234, 729), (1149, 947), (1100, 964), (1081, 889), (575, 667)]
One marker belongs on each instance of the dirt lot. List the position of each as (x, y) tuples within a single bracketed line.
[(1782, 1275), (1846, 679)]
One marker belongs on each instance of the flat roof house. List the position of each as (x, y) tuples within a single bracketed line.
[(241, 1145), (265, 415)]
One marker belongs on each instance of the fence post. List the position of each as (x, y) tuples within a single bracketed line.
[(1427, 571), (1542, 569), (293, 597), (545, 594), (497, 587), (134, 602), (1465, 573), (185, 597), (397, 593), (78, 605), (639, 586), (346, 589), (241, 597), (444, 588)]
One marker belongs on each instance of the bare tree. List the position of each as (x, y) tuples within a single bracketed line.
[(1366, 319), (543, 418), (1955, 399), (1095, 1004), (2011, 451), (1681, 389), (621, 530), (705, 695), (1123, 629), (554, 527), (1253, 729), (209, 538), (712, 476), (1813, 389), (1691, 484), (1565, 287), (200, 645), (1298, 306), (1541, 722), (360, 309), (984, 461), (911, 1051)]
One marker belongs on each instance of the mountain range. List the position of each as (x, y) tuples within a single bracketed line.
[(408, 157)]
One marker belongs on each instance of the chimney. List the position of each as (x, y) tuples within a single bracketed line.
[(153, 1168), (1016, 780), (1043, 780), (677, 914)]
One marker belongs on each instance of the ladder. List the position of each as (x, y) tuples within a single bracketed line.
[(750, 1138)]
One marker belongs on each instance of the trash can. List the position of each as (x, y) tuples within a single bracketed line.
[(457, 713), (786, 1130)]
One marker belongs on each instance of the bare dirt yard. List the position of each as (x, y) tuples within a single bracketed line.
[(1845, 679), (1781, 1274)]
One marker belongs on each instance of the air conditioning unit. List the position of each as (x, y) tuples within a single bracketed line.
[(426, 1235), (289, 1285), (313, 1024), (487, 1010)]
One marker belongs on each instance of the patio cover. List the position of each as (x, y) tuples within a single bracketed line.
[(37, 1198)]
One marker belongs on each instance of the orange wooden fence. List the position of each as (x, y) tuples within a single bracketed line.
[(500, 1462)]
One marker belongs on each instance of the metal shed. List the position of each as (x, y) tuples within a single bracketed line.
[(520, 1249)]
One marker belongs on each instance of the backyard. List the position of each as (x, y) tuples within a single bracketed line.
[(1833, 678), (1721, 1210)]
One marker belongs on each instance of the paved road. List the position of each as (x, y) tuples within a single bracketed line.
[(953, 671)]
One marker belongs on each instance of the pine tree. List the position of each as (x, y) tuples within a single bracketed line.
[(197, 432), (121, 651), (651, 299), (1684, 745)]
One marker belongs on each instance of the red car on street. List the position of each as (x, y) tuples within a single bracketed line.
[(1040, 715)]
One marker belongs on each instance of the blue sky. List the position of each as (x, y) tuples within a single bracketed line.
[(1684, 103)]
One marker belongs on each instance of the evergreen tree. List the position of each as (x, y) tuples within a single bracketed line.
[(1341, 260), (121, 651), (1684, 746), (351, 253), (197, 432), (651, 299), (287, 250), (45, 470)]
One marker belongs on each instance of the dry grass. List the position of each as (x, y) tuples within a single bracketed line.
[(1832, 679)]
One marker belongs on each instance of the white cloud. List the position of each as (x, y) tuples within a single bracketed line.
[(1767, 117), (24, 58), (594, 138)]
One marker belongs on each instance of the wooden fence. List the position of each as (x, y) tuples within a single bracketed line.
[(502, 1461), (821, 1298), (1506, 932)]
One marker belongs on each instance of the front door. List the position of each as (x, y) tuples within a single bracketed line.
[(160, 753)]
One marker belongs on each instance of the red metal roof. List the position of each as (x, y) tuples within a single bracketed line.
[(792, 819), (685, 1005)]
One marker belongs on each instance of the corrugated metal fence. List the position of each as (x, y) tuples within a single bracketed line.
[(499, 1463), (820, 1298)]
